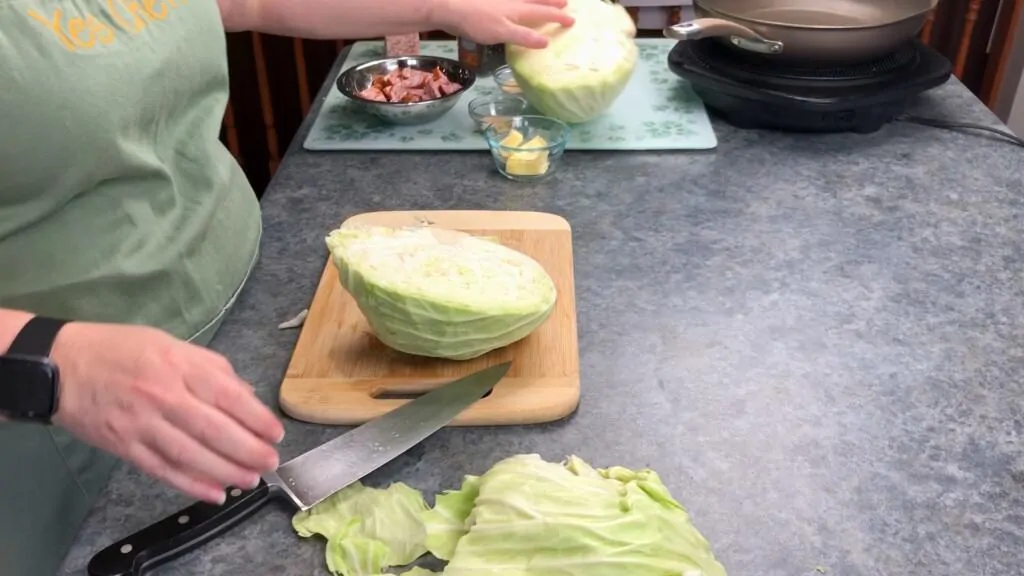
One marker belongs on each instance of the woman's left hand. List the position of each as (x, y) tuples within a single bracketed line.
[(500, 21)]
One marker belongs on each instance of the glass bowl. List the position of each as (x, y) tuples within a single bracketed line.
[(527, 147), (487, 110), (505, 80)]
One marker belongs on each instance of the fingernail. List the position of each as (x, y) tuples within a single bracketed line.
[(254, 481), (220, 498), (281, 437)]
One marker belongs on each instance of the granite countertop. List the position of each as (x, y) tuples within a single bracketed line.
[(817, 341)]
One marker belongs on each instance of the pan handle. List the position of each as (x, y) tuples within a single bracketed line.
[(738, 35)]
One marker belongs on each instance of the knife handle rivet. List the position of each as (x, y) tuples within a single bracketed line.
[(126, 548), (235, 492), (183, 519)]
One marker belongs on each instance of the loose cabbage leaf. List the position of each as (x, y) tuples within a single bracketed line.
[(441, 293), (535, 518), (523, 517), (353, 555), (446, 521), (367, 529)]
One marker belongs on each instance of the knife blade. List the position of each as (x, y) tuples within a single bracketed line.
[(304, 480)]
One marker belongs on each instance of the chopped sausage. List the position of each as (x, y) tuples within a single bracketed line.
[(410, 85), (374, 93)]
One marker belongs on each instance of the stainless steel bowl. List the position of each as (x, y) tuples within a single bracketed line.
[(358, 78)]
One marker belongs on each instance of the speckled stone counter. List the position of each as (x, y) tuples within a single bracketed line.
[(818, 341)]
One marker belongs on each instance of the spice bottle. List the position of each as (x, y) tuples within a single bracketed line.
[(483, 59)]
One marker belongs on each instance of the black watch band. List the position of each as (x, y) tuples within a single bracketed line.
[(29, 380), (36, 337)]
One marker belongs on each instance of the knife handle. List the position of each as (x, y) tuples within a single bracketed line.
[(178, 533)]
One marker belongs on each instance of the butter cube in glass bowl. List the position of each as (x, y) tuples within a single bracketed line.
[(527, 148)]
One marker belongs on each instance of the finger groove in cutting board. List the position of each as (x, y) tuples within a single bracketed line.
[(339, 367)]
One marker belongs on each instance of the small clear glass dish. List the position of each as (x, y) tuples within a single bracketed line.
[(487, 110), (505, 80), (527, 148)]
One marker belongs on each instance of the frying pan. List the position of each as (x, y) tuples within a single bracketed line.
[(808, 31)]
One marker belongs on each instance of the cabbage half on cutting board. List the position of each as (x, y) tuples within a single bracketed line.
[(441, 293)]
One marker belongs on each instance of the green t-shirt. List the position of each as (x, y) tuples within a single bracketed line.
[(117, 200), (117, 203)]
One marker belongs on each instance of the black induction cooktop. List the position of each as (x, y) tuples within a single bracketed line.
[(754, 91)]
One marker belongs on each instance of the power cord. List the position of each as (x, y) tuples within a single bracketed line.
[(951, 125)]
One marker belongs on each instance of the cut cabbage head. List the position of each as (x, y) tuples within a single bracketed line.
[(584, 67), (441, 293)]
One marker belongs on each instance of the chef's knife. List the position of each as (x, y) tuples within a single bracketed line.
[(305, 480)]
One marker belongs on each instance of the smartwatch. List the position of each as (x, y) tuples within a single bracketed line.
[(29, 380)]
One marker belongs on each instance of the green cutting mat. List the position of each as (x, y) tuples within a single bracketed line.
[(656, 111)]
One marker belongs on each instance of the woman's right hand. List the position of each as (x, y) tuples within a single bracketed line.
[(500, 21), (175, 410)]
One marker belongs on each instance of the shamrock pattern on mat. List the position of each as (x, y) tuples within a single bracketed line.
[(345, 122), (658, 110)]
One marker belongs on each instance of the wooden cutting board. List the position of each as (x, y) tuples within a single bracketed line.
[(341, 374)]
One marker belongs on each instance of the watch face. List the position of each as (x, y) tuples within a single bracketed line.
[(28, 387)]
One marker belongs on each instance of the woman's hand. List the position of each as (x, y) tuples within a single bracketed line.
[(499, 21), (177, 411)]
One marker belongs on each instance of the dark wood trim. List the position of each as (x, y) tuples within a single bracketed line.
[(965, 37), (231, 133), (266, 103), (303, 76), (926, 31), (1002, 49)]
